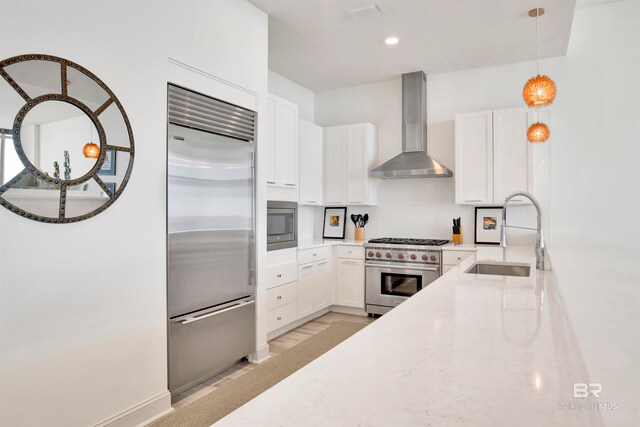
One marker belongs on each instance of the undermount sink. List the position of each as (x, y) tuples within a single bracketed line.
[(500, 269)]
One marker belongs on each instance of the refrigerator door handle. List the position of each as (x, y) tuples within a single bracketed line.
[(191, 319)]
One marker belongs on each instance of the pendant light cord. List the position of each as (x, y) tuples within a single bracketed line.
[(537, 38)]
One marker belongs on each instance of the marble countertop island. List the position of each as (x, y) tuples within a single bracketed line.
[(468, 350)]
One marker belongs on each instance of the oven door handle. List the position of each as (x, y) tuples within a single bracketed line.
[(436, 269)]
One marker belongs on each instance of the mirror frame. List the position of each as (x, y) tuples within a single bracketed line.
[(93, 115)]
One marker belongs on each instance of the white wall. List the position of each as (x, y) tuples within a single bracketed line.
[(595, 166), (83, 327), (293, 92)]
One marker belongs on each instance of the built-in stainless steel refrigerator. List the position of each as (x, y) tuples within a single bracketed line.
[(211, 239)]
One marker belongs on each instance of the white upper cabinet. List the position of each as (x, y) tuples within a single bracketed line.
[(335, 148), (512, 153), (311, 164), (474, 158), (282, 141), (350, 153), (494, 157), (270, 140)]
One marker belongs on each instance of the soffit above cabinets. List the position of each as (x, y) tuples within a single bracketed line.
[(321, 45)]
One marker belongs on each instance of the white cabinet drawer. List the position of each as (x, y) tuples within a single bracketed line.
[(279, 274), (454, 257), (314, 254), (282, 295), (282, 316), (354, 252)]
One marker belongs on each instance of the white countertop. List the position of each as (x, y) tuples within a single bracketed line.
[(316, 242), (468, 350)]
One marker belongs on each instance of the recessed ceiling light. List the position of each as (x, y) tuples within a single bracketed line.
[(391, 41)]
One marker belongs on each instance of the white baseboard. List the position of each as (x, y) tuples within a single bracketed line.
[(260, 355), (142, 414), (348, 310)]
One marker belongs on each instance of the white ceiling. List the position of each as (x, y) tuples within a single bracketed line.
[(318, 44)]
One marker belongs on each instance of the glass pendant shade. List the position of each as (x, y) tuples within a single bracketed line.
[(538, 132), (539, 91), (91, 150)]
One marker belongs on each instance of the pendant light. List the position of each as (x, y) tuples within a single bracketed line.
[(91, 150), (538, 132), (538, 91)]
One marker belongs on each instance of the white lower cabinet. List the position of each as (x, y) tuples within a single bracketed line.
[(451, 259), (314, 284), (282, 316), (350, 282)]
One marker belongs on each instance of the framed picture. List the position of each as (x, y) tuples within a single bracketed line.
[(487, 225), (111, 186), (109, 165), (334, 222)]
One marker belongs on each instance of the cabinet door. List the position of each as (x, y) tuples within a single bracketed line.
[(306, 290), (268, 149), (357, 171), (310, 175), (335, 165), (285, 145), (350, 282), (511, 154), (323, 285), (474, 158)]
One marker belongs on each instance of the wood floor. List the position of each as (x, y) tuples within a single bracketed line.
[(276, 346)]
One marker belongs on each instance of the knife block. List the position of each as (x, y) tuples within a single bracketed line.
[(359, 234), (456, 236)]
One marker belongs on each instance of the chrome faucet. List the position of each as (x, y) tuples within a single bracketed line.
[(539, 238)]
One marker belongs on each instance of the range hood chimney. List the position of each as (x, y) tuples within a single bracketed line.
[(413, 162)]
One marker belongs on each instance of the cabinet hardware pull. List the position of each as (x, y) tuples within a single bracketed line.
[(279, 275), (279, 297), (307, 266), (473, 200), (271, 182), (279, 318), (289, 185), (311, 201)]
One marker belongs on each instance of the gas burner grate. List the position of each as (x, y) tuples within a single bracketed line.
[(406, 241)]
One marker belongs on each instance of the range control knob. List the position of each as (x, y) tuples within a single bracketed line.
[(413, 256), (424, 257), (378, 254), (400, 256), (433, 257), (388, 254), (370, 253)]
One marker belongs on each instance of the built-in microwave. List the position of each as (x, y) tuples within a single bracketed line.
[(282, 225)]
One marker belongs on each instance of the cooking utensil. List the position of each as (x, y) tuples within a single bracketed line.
[(354, 219), (365, 219)]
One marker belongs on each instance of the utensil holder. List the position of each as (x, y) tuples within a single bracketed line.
[(457, 236), (359, 234)]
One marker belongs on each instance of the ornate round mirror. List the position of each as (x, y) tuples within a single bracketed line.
[(66, 145)]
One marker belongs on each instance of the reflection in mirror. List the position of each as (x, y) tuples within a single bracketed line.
[(10, 164), (85, 90), (36, 77), (10, 103), (53, 135), (114, 126), (113, 178), (35, 196), (80, 203)]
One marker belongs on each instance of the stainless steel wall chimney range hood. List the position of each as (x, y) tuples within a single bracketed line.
[(413, 162)]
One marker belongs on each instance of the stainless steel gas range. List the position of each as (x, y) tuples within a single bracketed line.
[(397, 269)]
